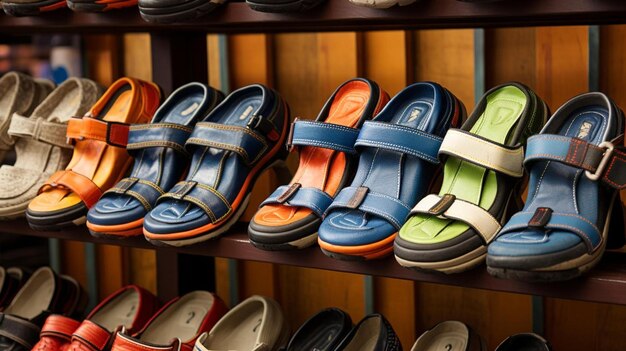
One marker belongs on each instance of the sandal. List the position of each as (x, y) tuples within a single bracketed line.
[(398, 148), (243, 136), (160, 162), (324, 331), (99, 159), (19, 94), (41, 148), (31, 7), (290, 217), (450, 232), (573, 202)]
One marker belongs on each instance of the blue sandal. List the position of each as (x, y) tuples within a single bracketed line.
[(575, 174), (398, 161), (160, 162)]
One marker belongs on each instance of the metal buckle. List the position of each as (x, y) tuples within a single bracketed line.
[(608, 152), (290, 135), (254, 121)]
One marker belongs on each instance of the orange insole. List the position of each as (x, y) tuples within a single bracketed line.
[(321, 168)]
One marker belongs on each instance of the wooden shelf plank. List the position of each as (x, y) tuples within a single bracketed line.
[(605, 283), (338, 15)]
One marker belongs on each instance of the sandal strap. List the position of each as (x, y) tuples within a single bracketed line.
[(59, 326), (322, 134), (401, 139), (90, 337), (451, 207), (603, 161), (168, 135), (82, 186), (19, 330), (144, 191), (112, 133), (39, 129), (484, 152), (295, 195), (207, 198), (385, 206), (545, 218), (244, 141)]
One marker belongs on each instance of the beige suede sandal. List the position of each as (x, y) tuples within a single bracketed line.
[(20, 94), (40, 143)]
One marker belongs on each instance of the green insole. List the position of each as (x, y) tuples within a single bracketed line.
[(465, 180)]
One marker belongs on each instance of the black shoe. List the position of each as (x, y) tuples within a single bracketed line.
[(373, 333), (283, 5), (322, 332), (526, 342)]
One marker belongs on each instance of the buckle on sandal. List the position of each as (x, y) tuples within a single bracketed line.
[(608, 152)]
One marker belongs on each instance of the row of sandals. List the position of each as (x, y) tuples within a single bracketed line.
[(43, 312), (362, 190)]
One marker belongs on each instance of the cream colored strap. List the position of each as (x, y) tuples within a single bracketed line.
[(40, 130), (483, 152), (452, 208)]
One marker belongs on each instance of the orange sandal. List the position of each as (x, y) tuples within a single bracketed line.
[(100, 158)]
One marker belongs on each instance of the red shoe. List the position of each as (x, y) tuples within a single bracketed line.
[(176, 326), (130, 307)]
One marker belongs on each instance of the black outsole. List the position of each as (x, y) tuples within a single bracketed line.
[(110, 236), (180, 16), (294, 6), (58, 220), (20, 10), (343, 257), (534, 276), (274, 247)]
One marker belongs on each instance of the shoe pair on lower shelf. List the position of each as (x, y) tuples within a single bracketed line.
[(37, 7)]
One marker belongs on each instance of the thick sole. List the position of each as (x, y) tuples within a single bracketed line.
[(14, 212), (93, 7), (566, 270), (293, 6), (33, 9), (180, 15), (298, 244), (372, 251), (68, 218), (382, 4)]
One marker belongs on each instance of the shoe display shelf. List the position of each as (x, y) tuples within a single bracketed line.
[(179, 56)]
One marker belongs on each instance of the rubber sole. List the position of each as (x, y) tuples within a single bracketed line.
[(176, 15), (13, 212), (372, 251), (301, 243), (567, 270), (94, 7), (33, 9), (67, 218), (382, 4), (292, 6)]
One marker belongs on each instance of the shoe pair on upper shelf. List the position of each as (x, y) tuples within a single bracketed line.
[(37, 7)]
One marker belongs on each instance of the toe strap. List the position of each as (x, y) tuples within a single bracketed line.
[(544, 219), (82, 186), (295, 195), (144, 191), (212, 202), (19, 330), (374, 203), (448, 206)]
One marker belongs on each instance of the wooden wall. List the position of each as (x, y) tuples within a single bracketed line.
[(306, 68)]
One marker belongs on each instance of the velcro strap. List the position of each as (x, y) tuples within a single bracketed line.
[(123, 342), (483, 152), (399, 138), (453, 208), (144, 191), (92, 336), (112, 133), (59, 326), (168, 135), (82, 186), (603, 161), (322, 134), (587, 231), (243, 141), (39, 129), (385, 206), (295, 195), (19, 330), (207, 198)]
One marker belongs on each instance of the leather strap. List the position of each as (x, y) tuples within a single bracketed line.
[(448, 206), (604, 161), (19, 330), (90, 336), (59, 326), (295, 195), (168, 135), (322, 134), (483, 152), (39, 129), (385, 206), (112, 133), (587, 231), (243, 141), (399, 138), (142, 190), (207, 198), (82, 186)]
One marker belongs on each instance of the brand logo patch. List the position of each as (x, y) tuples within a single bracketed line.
[(584, 130), (190, 109), (246, 113), (414, 114)]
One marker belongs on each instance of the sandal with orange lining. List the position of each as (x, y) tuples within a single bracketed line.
[(100, 158), (290, 217)]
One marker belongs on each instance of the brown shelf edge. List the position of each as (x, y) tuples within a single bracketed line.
[(605, 284), (338, 15)]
